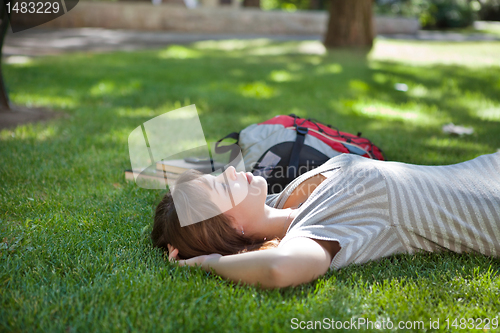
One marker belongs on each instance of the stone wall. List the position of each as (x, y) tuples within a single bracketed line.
[(171, 17)]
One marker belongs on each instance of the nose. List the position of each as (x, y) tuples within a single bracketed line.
[(231, 172)]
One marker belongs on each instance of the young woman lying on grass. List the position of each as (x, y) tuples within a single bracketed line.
[(349, 210)]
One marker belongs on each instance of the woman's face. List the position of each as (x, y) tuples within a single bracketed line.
[(239, 195)]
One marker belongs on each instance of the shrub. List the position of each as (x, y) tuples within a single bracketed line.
[(432, 13), (490, 10)]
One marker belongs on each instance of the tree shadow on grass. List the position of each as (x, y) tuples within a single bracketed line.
[(227, 86), (115, 93)]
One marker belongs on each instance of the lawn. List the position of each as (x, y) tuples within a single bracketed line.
[(75, 254)]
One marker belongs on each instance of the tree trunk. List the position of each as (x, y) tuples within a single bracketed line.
[(4, 25), (350, 24), (251, 3)]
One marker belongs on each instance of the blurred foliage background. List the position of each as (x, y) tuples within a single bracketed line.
[(433, 14), (441, 13)]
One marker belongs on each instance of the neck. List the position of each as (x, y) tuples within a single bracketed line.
[(277, 222)]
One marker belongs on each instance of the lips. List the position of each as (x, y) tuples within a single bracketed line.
[(249, 177)]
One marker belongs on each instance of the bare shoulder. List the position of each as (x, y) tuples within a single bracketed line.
[(302, 192)]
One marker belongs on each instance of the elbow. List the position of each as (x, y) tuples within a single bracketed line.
[(281, 274), (286, 272), (276, 277), (273, 276)]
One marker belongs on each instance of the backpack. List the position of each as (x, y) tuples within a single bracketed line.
[(284, 147)]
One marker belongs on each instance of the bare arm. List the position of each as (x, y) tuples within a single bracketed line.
[(298, 261)]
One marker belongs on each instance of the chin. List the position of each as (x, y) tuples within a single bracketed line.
[(260, 180), (259, 186)]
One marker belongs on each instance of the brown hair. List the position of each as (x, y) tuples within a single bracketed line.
[(213, 235)]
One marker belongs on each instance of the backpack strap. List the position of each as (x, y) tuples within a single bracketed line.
[(293, 165), (232, 148)]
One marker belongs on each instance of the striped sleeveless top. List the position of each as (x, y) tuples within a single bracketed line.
[(376, 209)]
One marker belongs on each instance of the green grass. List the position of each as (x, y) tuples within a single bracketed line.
[(75, 254), (488, 27)]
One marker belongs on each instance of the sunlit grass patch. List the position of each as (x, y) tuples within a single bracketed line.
[(491, 27), (19, 61), (419, 91), (179, 52), (281, 76), (411, 112), (106, 87), (490, 114), (486, 110), (29, 131), (53, 101), (432, 53), (232, 44), (329, 69), (358, 86), (442, 147), (453, 143), (257, 89), (261, 47), (136, 112)]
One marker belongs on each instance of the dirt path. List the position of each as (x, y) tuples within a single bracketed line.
[(19, 115)]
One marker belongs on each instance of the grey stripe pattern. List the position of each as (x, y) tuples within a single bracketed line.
[(376, 209)]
